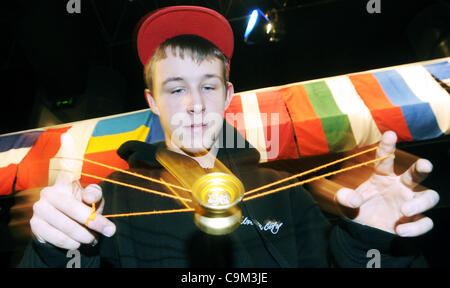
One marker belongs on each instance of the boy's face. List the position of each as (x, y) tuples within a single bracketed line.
[(190, 99)]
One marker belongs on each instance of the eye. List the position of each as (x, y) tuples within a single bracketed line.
[(177, 91), (208, 88)]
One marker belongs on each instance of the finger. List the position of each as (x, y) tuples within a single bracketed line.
[(349, 198), (421, 202), (92, 194), (416, 173), (63, 179), (61, 222), (80, 213), (44, 231), (68, 162), (386, 147), (413, 229)]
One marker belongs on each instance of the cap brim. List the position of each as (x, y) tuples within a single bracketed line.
[(169, 22)]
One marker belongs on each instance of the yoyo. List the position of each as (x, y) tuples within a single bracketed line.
[(217, 195)]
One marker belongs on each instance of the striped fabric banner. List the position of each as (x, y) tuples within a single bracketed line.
[(321, 126), (264, 121), (254, 129), (234, 115), (308, 128), (386, 115), (108, 135), (309, 118), (422, 84), (156, 132), (365, 131), (418, 115), (34, 169), (71, 157), (279, 133), (336, 124), (13, 149), (440, 70)]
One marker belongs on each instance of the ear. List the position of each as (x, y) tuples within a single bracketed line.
[(151, 102), (228, 94)]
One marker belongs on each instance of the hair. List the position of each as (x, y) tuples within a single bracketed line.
[(198, 48)]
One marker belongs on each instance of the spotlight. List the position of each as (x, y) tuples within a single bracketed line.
[(263, 27), (256, 27), (275, 28)]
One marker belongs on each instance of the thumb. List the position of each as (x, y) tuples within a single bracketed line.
[(68, 162), (349, 198), (386, 147), (64, 178)]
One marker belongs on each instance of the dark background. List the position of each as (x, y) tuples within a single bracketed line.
[(49, 55)]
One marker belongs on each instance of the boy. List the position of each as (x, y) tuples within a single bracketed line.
[(186, 51)]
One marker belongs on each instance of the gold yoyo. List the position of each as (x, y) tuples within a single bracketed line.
[(216, 192), (216, 196)]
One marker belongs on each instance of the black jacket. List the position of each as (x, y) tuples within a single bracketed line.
[(285, 229)]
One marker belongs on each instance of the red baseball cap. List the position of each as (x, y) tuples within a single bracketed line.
[(165, 23)]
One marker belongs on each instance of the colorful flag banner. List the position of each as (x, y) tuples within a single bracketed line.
[(440, 70), (365, 131), (386, 115), (13, 149), (33, 171), (72, 159), (316, 117), (264, 121), (422, 84), (108, 135), (418, 115), (309, 132)]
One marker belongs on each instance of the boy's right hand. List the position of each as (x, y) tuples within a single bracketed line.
[(60, 215)]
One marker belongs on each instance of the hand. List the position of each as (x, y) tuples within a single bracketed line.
[(387, 201), (60, 215)]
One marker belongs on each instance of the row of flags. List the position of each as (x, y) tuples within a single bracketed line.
[(341, 113), (315, 117)]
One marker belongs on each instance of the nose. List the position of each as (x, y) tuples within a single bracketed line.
[(196, 109), (195, 103)]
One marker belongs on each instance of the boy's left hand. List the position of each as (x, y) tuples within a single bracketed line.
[(387, 201)]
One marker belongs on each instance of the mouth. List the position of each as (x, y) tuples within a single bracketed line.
[(197, 127)]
